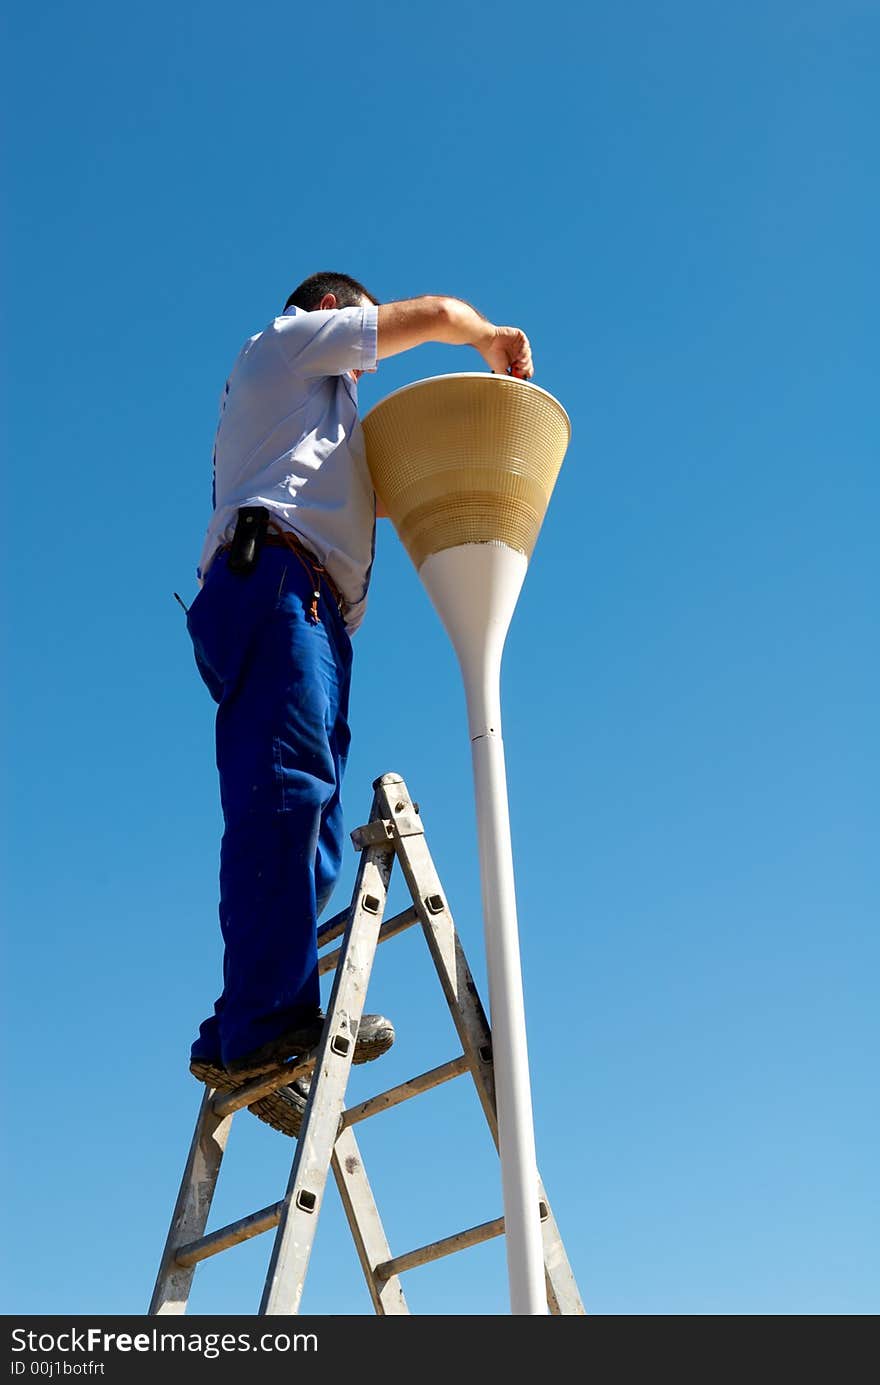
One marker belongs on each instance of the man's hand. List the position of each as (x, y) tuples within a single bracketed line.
[(509, 349), (413, 321)]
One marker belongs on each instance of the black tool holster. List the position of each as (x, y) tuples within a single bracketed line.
[(250, 532)]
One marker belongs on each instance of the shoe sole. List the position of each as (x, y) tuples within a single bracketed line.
[(375, 1037), (285, 1108)]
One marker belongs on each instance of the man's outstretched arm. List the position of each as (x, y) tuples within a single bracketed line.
[(414, 321)]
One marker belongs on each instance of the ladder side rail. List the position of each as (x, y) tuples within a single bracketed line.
[(301, 1205), (192, 1209), (563, 1296), (435, 915), (366, 1226)]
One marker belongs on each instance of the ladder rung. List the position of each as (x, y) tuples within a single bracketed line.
[(335, 927), (226, 1102), (383, 1101), (398, 924), (462, 1240), (231, 1235)]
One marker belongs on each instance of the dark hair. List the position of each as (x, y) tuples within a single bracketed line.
[(310, 292)]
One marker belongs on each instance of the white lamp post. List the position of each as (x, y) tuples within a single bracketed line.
[(465, 466)]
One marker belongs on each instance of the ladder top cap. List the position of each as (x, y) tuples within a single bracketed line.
[(389, 778)]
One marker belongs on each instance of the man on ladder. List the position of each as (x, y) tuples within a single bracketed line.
[(284, 574)]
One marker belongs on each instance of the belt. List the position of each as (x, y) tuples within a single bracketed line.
[(285, 538)]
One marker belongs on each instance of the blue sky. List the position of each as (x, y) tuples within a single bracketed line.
[(679, 204)]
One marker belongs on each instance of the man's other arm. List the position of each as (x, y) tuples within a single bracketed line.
[(414, 321)]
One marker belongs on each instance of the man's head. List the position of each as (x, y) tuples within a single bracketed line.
[(329, 290)]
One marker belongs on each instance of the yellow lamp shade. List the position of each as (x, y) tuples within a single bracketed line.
[(462, 459)]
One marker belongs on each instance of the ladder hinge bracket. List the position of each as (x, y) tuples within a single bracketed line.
[(376, 833), (381, 831), (408, 824)]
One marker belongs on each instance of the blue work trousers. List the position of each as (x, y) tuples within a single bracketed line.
[(281, 681)]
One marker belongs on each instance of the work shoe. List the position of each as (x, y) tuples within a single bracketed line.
[(283, 1109), (375, 1037)]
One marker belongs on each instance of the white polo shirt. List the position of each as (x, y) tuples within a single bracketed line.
[(289, 438)]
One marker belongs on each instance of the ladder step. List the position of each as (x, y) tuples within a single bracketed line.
[(226, 1102), (231, 1235), (335, 927), (398, 924), (462, 1240), (383, 1101)]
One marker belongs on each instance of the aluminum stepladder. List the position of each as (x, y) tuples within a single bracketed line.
[(326, 1140)]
